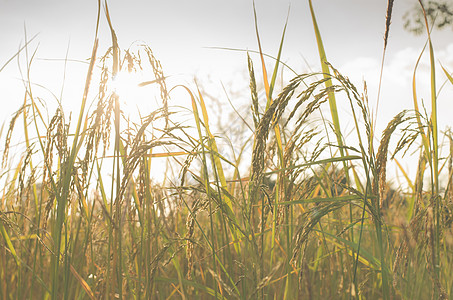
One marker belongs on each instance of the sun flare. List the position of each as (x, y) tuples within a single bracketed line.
[(136, 99)]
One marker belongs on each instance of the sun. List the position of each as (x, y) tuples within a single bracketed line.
[(126, 83), (136, 100)]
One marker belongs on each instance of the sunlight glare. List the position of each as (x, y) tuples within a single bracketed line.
[(136, 100)]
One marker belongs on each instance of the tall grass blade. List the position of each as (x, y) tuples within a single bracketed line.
[(328, 83), (18, 52), (450, 78), (67, 173), (388, 21), (269, 90), (434, 162), (8, 242)]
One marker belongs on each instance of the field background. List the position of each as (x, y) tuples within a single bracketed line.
[(270, 159)]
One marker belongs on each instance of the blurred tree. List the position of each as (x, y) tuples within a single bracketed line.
[(438, 12)]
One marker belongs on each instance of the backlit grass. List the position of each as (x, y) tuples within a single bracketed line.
[(314, 215)]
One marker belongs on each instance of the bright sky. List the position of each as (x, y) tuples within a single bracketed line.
[(180, 33)]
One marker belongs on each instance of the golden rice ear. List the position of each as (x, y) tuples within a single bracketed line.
[(269, 119), (160, 79), (388, 19), (253, 91), (10, 133), (379, 182)]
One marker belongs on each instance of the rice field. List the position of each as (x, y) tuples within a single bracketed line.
[(294, 209)]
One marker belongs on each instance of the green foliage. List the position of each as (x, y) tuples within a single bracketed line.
[(311, 218), (439, 13)]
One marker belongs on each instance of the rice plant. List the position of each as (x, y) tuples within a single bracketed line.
[(313, 216)]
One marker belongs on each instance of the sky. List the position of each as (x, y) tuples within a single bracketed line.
[(182, 35)]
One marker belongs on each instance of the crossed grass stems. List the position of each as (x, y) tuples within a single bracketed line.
[(326, 225)]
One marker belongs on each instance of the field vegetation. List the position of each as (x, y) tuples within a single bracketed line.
[(312, 215)]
